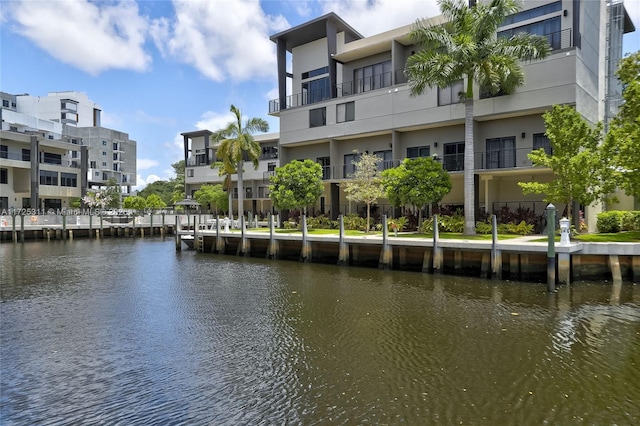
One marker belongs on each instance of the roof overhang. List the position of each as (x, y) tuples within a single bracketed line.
[(314, 30)]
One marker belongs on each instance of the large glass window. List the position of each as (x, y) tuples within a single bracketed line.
[(49, 158), (540, 140), (4, 151), (315, 73), (349, 167), (549, 27), (318, 117), (48, 177), (26, 154), (68, 179), (4, 203), (387, 159), (372, 77), (315, 90), (453, 159), (501, 152), (451, 94), (4, 176), (345, 112), (418, 151), (325, 163), (533, 13)]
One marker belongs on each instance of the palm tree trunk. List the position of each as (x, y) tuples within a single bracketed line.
[(469, 190), (240, 191)]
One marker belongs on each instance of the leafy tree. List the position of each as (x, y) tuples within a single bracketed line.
[(98, 198), (622, 143), (213, 195), (466, 48), (135, 203), (236, 143), (114, 191), (366, 184), (162, 188), (154, 202), (416, 181), (576, 160), (297, 184), (178, 182)]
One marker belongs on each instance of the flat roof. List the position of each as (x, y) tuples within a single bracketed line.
[(314, 30)]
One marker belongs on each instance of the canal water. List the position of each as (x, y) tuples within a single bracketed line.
[(129, 331)]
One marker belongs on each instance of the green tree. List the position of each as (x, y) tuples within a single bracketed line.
[(416, 181), (236, 144), (622, 143), (465, 47), (178, 181), (213, 195), (162, 188), (575, 160), (297, 184), (366, 183), (135, 203), (114, 191), (155, 202)]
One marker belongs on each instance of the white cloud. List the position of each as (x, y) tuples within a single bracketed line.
[(214, 120), (91, 36), (145, 163), (222, 40), (374, 17), (142, 182)]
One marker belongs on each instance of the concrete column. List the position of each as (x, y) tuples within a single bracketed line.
[(305, 254), (343, 254), (438, 260), (386, 253), (564, 268), (614, 266)]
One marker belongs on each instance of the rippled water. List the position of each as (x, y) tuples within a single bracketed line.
[(131, 332)]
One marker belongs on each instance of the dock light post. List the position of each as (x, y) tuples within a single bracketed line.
[(551, 248)]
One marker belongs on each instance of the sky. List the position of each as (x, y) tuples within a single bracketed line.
[(158, 68)]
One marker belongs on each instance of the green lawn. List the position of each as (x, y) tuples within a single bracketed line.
[(616, 237)]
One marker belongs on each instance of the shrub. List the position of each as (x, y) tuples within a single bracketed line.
[(354, 222), (321, 222), (427, 226), (453, 223), (398, 224), (630, 221), (609, 221), (483, 228)]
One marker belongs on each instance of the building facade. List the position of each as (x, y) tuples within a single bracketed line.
[(200, 155), (350, 93), (67, 131)]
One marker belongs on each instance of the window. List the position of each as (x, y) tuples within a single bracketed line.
[(325, 163), (318, 117), (453, 160), (372, 77), (105, 176), (97, 173), (54, 204), (315, 90), (115, 146), (451, 94), (115, 167), (501, 152), (540, 140), (68, 179), (74, 141), (74, 154), (104, 164), (104, 153), (104, 143), (4, 203), (189, 172), (92, 165), (349, 167), (50, 158), (345, 112), (271, 167), (387, 159), (26, 154), (48, 178), (533, 13), (4, 176), (552, 28), (5, 103), (4, 151), (419, 151), (269, 152), (315, 73)]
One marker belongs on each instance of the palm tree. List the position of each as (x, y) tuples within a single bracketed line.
[(236, 143), (466, 47)]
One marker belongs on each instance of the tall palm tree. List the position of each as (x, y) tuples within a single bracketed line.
[(236, 143), (465, 47)]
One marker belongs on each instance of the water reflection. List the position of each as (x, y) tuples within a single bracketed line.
[(129, 331)]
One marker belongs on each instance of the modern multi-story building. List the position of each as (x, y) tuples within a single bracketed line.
[(350, 93), (65, 126), (200, 154)]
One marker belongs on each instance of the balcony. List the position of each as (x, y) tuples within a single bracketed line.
[(375, 82), (490, 160)]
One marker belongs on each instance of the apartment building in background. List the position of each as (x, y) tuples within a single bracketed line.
[(75, 152), (200, 154), (349, 93)]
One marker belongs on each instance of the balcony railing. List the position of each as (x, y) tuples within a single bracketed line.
[(486, 160), (375, 82), (560, 39)]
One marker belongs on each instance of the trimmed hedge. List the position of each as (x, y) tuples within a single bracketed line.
[(618, 220)]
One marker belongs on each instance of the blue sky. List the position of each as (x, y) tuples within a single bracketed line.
[(159, 67)]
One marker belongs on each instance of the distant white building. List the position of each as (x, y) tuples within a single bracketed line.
[(70, 122)]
